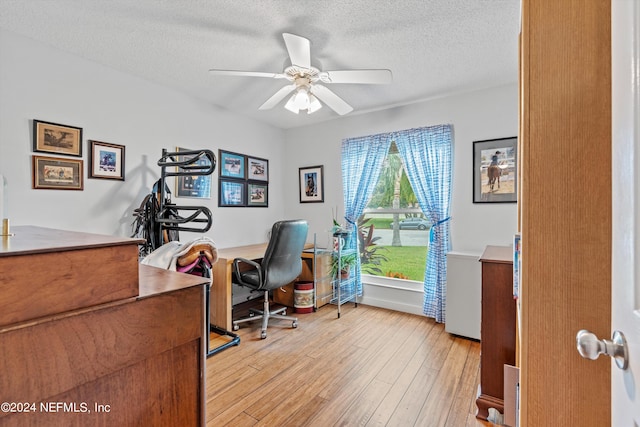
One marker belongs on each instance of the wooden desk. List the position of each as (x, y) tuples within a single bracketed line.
[(113, 359), (221, 287)]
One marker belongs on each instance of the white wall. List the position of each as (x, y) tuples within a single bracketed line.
[(38, 82), (479, 115)]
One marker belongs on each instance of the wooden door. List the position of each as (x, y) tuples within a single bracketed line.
[(625, 402), (565, 209)]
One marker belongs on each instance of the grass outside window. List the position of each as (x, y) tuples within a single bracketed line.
[(410, 261)]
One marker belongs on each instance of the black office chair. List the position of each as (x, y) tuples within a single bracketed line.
[(280, 266)]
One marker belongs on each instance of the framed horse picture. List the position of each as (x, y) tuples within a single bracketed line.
[(495, 170), (311, 184), (106, 160)]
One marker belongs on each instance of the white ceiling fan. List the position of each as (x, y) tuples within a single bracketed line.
[(305, 80)]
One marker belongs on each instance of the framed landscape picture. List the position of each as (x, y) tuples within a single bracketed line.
[(311, 184), (106, 160), (495, 170), (231, 164), (55, 173), (56, 138)]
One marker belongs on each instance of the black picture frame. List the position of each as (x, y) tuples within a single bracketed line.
[(56, 138), (106, 160), (232, 193), (257, 169), (193, 186), (231, 165), (311, 184), (258, 194), (243, 180), (498, 157)]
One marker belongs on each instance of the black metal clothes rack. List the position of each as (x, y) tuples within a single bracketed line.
[(190, 166), (171, 218)]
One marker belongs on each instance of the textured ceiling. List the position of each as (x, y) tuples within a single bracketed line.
[(432, 47)]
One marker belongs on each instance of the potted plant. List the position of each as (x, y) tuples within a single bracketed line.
[(371, 255), (344, 263)]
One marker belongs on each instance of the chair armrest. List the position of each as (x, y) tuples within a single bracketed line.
[(236, 269)]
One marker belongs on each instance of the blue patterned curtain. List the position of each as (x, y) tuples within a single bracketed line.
[(362, 160), (427, 156)]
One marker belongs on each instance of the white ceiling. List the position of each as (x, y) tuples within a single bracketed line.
[(432, 47)]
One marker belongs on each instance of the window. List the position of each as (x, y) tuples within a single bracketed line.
[(394, 235), (427, 155)]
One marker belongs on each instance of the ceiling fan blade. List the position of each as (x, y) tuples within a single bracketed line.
[(277, 97), (299, 50), (357, 76), (332, 100), (246, 74)]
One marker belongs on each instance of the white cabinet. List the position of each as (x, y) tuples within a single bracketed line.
[(464, 288)]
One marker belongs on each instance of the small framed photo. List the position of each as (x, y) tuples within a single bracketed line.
[(106, 161), (311, 184), (56, 138), (495, 170), (231, 193), (56, 173), (257, 194), (257, 169), (231, 164), (196, 186)]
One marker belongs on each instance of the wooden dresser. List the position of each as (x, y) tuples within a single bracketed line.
[(90, 337), (498, 327)]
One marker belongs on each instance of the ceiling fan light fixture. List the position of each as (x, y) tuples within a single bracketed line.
[(291, 105), (314, 104), (301, 98)]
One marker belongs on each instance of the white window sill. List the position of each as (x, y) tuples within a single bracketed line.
[(391, 283)]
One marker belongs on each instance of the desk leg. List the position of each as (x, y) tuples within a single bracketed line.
[(221, 295), (235, 339)]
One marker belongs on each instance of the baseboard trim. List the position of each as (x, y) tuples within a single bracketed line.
[(391, 305)]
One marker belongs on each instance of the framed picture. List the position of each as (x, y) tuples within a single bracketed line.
[(257, 169), (57, 138), (197, 186), (495, 170), (311, 184), (57, 173), (231, 164), (231, 193), (106, 161), (257, 194)]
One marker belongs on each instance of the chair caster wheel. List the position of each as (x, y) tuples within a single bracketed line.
[(263, 335), (236, 327), (294, 325)]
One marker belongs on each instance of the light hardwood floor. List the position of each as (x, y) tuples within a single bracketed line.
[(370, 367)]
